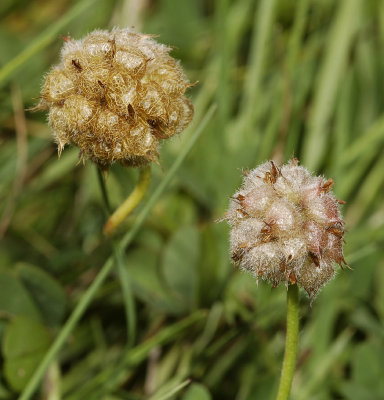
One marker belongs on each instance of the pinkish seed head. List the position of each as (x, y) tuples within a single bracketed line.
[(286, 226)]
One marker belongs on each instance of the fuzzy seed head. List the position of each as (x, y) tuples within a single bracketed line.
[(286, 226), (115, 95)]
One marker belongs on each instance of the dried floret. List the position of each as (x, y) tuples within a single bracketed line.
[(115, 95)]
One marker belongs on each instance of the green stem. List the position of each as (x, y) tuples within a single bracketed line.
[(128, 298), (124, 278), (131, 202), (290, 354), (104, 193)]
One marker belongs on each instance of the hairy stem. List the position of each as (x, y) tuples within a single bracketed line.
[(130, 203), (291, 340)]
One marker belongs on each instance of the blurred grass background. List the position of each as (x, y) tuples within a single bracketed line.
[(301, 78)]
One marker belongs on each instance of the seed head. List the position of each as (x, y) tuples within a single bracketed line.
[(115, 95), (286, 226)]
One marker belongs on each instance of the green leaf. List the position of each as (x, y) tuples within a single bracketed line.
[(4, 392), (179, 264), (24, 345), (14, 298), (56, 170), (197, 392), (175, 210), (353, 391), (368, 367), (214, 266), (46, 292), (142, 266)]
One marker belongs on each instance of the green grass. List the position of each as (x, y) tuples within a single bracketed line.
[(288, 77)]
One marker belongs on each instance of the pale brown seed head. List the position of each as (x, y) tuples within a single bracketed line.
[(116, 95), (286, 226)]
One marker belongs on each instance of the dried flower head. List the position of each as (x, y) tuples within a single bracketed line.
[(286, 226), (115, 95)]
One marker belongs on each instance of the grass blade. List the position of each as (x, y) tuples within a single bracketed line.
[(42, 40), (339, 42)]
